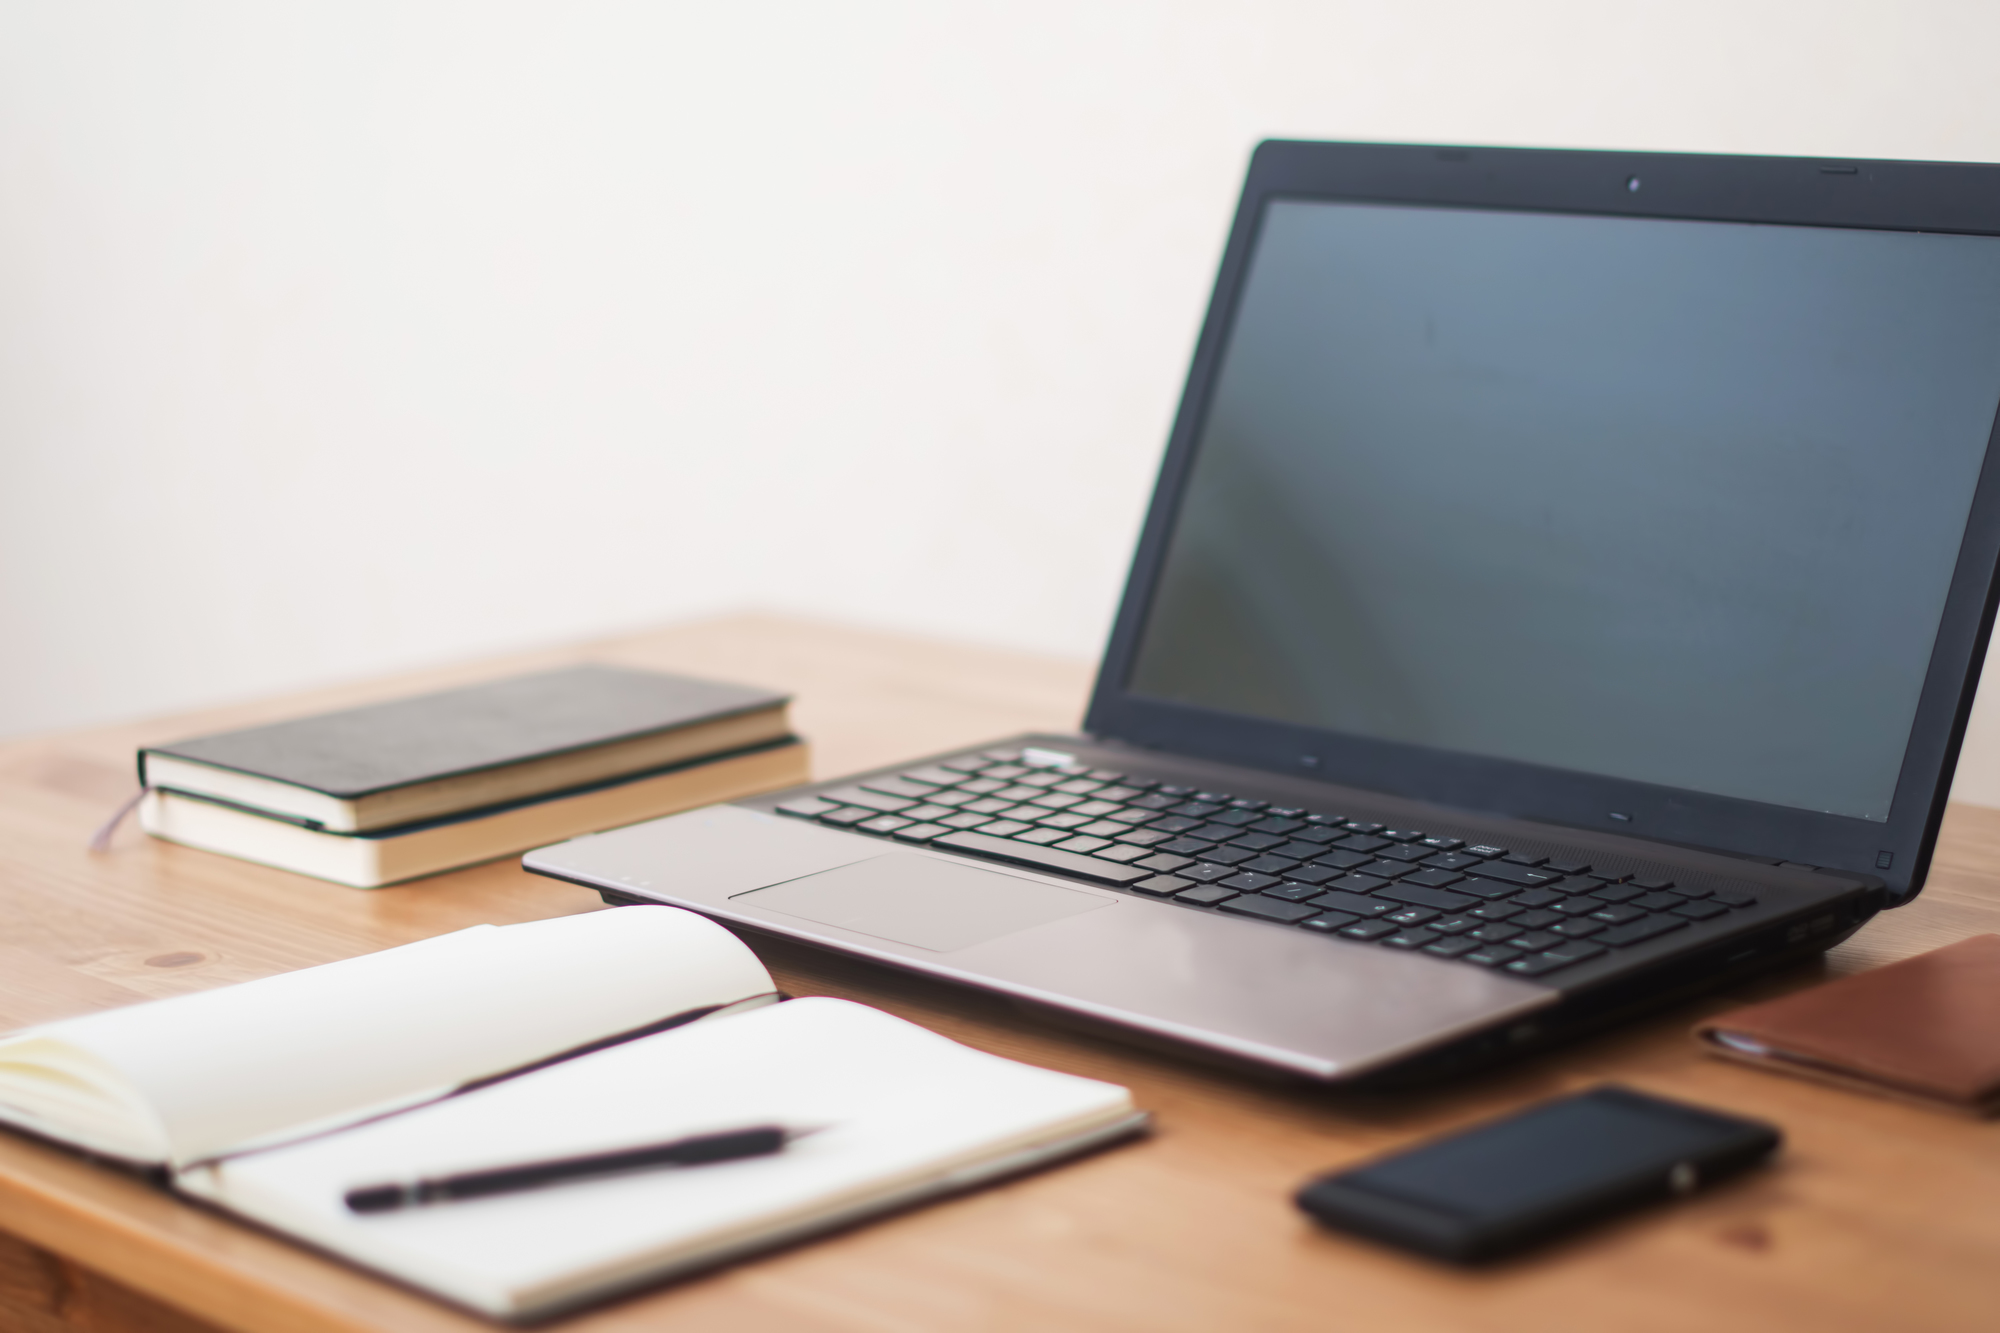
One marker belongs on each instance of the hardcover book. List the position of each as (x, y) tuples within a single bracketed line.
[(495, 1046), (398, 763)]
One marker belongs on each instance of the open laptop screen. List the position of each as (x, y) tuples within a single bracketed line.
[(1670, 501)]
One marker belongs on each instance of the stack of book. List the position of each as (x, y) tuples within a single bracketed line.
[(370, 796)]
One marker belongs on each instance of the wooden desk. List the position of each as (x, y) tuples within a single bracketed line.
[(1880, 1215)]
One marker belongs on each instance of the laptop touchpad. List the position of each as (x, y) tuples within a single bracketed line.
[(923, 901)]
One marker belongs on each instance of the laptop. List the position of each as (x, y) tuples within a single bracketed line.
[(1564, 591)]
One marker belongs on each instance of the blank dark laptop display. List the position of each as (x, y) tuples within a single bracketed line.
[(1565, 589)]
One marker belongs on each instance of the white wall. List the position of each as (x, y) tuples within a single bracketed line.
[(338, 337)]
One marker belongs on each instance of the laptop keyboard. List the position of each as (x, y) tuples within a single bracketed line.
[(1320, 871)]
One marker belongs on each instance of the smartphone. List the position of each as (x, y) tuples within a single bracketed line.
[(1501, 1187)]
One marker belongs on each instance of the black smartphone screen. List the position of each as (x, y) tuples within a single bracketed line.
[(1504, 1185)]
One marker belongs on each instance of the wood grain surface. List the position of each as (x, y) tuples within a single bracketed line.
[(1878, 1215)]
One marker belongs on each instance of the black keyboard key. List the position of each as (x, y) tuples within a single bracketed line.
[(987, 805), (1419, 896), (1452, 861), (1277, 826), (1247, 882), (1493, 955), (1658, 902), (1731, 898), (1495, 912), (1248, 803), (1328, 921), (1218, 797), (1637, 932), (1046, 858), (1361, 826), (1401, 834), (808, 807), (1356, 884), (1534, 898), (1432, 879), (1576, 906), (1616, 893), (1117, 851), (1412, 916), (920, 833), (1575, 952), (1456, 925), (1617, 914), (885, 823), (1197, 809), (1296, 850), (1270, 909), (1524, 859), (1285, 811), (1494, 934), (1141, 837), (1369, 930), (1355, 903), (1362, 844), (1688, 891), (1185, 846), (1701, 911), (1171, 789), (1487, 888), (1207, 895), (845, 815), (1538, 964), (1293, 893), (898, 787), (1574, 885), (1164, 864), (1534, 920), (1162, 886), (1340, 860), (1205, 873), (1410, 852), (1443, 844), (1534, 940), (1649, 883), (1486, 851), (1383, 869), (1174, 824), (1236, 819), (1211, 832), (1509, 873), (1450, 948), (1155, 802), (1576, 930), (876, 801), (1225, 856), (1270, 865), (1318, 834), (1567, 867), (1411, 939), (1311, 874), (1257, 842)]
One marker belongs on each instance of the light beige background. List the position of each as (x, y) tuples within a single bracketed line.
[(344, 336)]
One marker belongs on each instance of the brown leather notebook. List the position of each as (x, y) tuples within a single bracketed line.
[(1925, 1029)]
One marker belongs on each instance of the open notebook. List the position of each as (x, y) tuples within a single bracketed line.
[(273, 1098)]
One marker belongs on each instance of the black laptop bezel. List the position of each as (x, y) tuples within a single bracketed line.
[(1904, 196)]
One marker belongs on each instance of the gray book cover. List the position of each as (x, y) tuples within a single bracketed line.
[(359, 751)]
